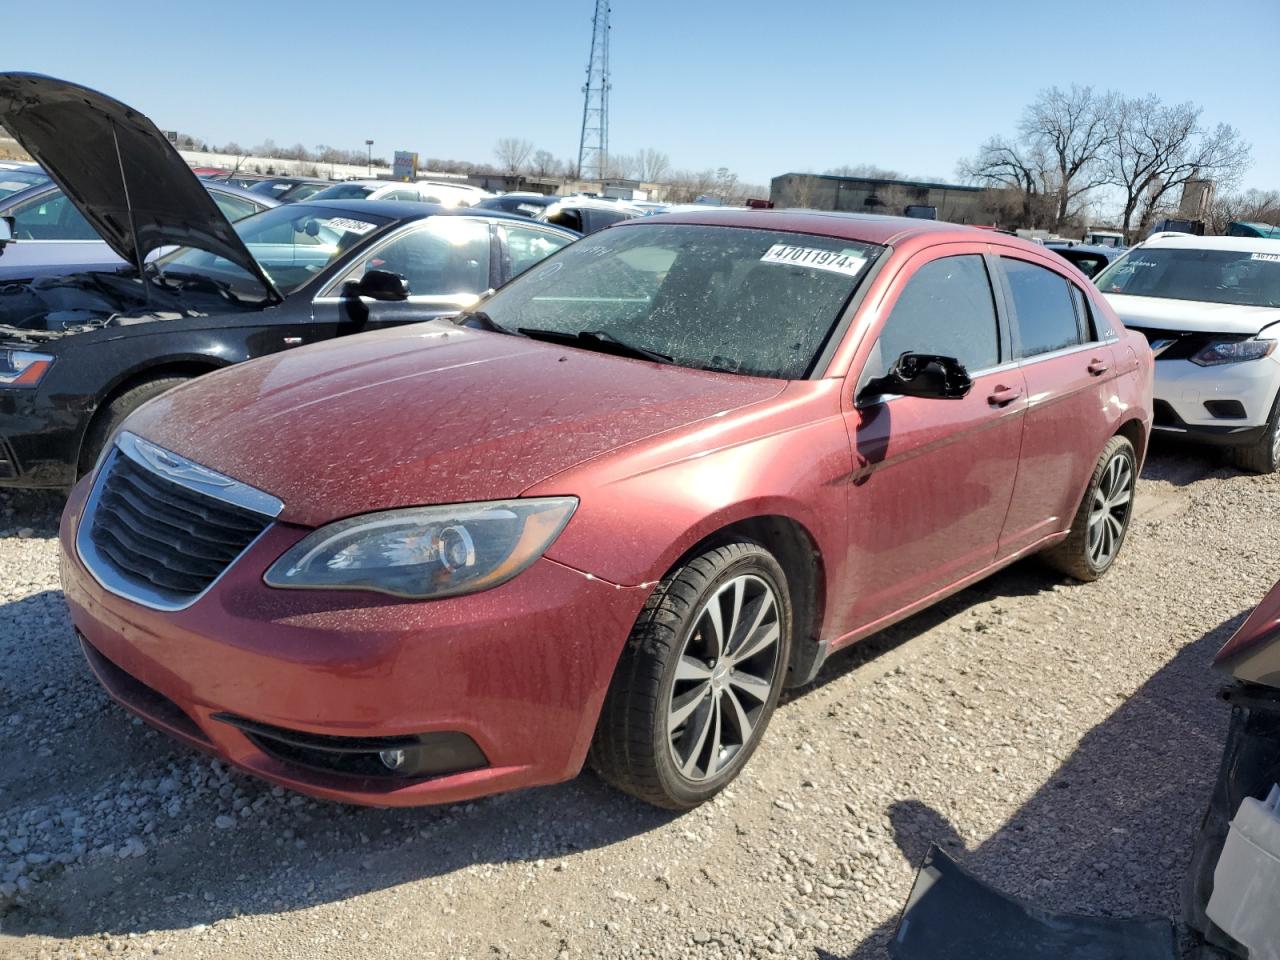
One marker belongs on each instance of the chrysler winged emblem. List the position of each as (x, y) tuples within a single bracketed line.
[(169, 464)]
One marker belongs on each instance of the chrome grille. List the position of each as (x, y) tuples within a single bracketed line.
[(164, 539)]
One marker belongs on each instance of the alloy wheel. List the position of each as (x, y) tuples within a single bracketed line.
[(1109, 512), (724, 678)]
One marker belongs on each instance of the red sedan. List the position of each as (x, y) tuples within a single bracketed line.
[(610, 513)]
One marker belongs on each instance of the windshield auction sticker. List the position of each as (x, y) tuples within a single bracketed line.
[(348, 225), (1269, 257), (831, 260)]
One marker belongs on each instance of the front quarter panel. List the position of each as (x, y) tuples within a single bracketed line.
[(642, 508)]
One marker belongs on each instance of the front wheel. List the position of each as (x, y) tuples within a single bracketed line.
[(1262, 456), (1102, 521), (699, 678)]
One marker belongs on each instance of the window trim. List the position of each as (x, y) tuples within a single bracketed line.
[(502, 243)]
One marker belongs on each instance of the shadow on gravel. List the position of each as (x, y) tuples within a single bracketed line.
[(1024, 579), (294, 857), (1182, 464), (1110, 834)]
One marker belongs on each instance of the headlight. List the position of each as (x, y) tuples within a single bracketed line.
[(1233, 351), (18, 368), (425, 552)]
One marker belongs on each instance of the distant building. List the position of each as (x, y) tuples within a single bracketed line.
[(820, 191)]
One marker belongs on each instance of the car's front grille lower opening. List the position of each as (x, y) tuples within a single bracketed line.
[(155, 531), (417, 756)]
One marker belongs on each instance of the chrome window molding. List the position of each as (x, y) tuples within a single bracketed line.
[(178, 470)]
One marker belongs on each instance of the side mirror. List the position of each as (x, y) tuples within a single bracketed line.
[(8, 230), (378, 285), (921, 375)]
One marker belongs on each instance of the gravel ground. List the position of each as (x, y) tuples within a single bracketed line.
[(1059, 739)]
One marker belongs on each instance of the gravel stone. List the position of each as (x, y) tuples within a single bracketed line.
[(1028, 725)]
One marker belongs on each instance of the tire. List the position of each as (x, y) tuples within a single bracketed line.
[(1263, 456), (633, 749), (109, 416), (1078, 556)]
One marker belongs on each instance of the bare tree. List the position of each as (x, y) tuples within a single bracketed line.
[(1157, 148), (652, 165), (620, 166), (1251, 206), (1002, 164), (512, 153), (865, 171), (544, 164), (1072, 128)]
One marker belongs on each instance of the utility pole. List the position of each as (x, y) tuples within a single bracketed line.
[(369, 144), (593, 147)]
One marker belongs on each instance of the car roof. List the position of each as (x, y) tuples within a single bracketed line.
[(863, 227), (413, 210), (234, 190), (1097, 249), (1189, 241)]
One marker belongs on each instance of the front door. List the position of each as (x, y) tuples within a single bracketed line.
[(932, 478)]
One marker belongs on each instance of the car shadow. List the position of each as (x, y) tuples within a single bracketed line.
[(1181, 464), (1088, 842)]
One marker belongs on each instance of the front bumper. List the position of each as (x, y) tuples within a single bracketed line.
[(520, 670), (1228, 404), (39, 441)]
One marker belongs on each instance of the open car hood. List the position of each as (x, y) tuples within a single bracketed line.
[(119, 170)]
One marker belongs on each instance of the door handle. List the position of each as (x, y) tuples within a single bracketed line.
[(292, 341), (1098, 366), (1002, 396)]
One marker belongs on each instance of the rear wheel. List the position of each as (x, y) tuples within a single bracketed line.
[(109, 417), (1102, 520), (1264, 455), (699, 678)]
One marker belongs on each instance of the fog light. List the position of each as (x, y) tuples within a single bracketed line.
[(391, 759)]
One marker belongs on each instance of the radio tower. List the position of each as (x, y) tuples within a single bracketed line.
[(593, 148)]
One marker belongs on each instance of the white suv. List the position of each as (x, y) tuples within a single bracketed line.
[(1210, 308)]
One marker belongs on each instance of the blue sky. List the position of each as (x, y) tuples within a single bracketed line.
[(762, 88)]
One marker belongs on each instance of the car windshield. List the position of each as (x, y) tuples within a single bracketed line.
[(292, 243), (344, 191), (1237, 277), (755, 302), (11, 181)]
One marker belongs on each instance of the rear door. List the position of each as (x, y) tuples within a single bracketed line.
[(1068, 366), (932, 478), (448, 261)]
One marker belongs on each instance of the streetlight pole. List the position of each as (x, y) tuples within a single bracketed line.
[(369, 144)]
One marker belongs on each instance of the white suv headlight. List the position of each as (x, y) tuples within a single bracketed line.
[(425, 552), (1233, 351)]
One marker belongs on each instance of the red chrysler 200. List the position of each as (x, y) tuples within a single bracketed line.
[(608, 514)]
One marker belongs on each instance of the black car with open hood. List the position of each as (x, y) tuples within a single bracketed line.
[(79, 352)]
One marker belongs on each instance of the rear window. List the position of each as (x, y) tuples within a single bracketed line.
[(1043, 308), (1237, 277), (755, 302)]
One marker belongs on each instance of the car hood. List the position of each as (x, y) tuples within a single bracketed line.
[(1159, 313), (119, 170), (427, 414)]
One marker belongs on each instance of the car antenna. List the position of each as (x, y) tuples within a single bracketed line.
[(139, 260)]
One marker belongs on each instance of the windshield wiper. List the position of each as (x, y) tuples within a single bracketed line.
[(597, 340), (481, 320)]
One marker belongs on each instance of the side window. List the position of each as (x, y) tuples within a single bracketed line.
[(528, 246), (234, 208), (568, 217), (51, 216), (1043, 308), (447, 257), (1095, 326), (946, 308)]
